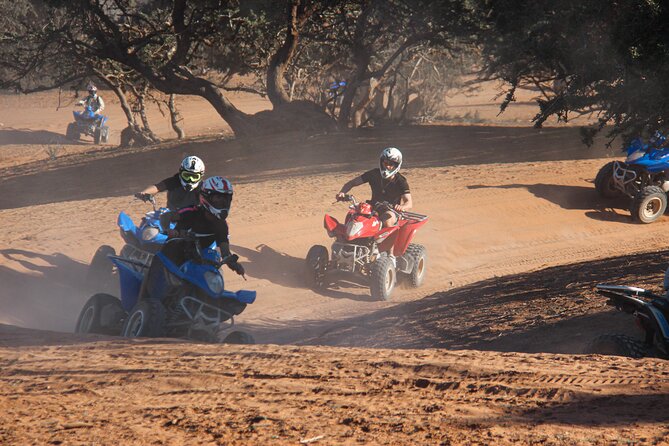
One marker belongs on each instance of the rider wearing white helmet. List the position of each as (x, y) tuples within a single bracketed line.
[(93, 100), (182, 188), (387, 184)]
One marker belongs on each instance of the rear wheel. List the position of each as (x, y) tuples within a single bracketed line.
[(239, 337), (617, 345), (382, 278), (649, 204), (146, 319), (71, 132), (100, 274), (102, 314), (419, 255), (104, 134), (604, 184), (315, 267)]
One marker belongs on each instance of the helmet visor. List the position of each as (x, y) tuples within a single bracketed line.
[(220, 201), (191, 177), (389, 164)]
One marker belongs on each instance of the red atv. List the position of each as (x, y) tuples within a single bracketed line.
[(362, 246)]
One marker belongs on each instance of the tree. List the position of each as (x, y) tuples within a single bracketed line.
[(587, 56)]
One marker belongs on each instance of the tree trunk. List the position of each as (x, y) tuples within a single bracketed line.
[(145, 119), (175, 118), (279, 61)]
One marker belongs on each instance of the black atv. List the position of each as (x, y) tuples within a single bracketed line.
[(650, 312)]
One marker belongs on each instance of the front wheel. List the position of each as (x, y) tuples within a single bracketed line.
[(382, 278), (604, 184), (102, 314), (146, 319), (97, 135), (617, 345), (315, 267), (71, 132), (649, 204)]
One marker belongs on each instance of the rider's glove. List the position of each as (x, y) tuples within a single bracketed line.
[(176, 233), (237, 267), (143, 197)]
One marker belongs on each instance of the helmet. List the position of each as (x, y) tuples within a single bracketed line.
[(92, 89), (191, 172), (390, 162), (216, 196)]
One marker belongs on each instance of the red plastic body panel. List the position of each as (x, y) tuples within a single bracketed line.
[(405, 235)]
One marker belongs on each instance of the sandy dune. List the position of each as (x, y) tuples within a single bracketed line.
[(516, 240)]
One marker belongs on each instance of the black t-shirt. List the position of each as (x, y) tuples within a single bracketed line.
[(177, 196), (386, 190), (195, 218)]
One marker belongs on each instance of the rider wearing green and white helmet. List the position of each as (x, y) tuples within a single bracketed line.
[(387, 185), (182, 188)]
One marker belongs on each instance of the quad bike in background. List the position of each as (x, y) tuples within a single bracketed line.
[(362, 246), (643, 176), (193, 304), (87, 122), (651, 314)]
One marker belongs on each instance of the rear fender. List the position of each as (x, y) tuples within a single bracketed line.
[(405, 236)]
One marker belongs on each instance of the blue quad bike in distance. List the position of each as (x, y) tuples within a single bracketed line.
[(643, 176), (193, 304), (651, 314), (87, 122)]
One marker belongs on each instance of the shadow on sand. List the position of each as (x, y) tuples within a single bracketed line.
[(27, 137), (575, 198), (264, 262), (554, 310)]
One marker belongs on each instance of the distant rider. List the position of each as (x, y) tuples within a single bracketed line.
[(93, 100), (182, 188), (208, 217), (387, 184)]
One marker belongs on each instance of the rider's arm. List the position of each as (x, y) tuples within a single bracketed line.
[(357, 181), (405, 203), (101, 103), (151, 190)]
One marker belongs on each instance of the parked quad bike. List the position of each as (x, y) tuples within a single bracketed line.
[(650, 312), (87, 122), (643, 177), (193, 302), (363, 247)]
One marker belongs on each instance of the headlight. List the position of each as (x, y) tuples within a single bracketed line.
[(149, 233), (635, 156), (353, 227), (214, 281)]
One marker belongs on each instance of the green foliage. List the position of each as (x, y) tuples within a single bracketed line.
[(605, 57)]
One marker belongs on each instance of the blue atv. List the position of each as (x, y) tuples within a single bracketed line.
[(643, 176), (193, 302), (87, 122)]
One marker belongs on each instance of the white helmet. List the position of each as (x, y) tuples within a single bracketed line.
[(191, 172), (92, 89), (216, 196), (390, 162)]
